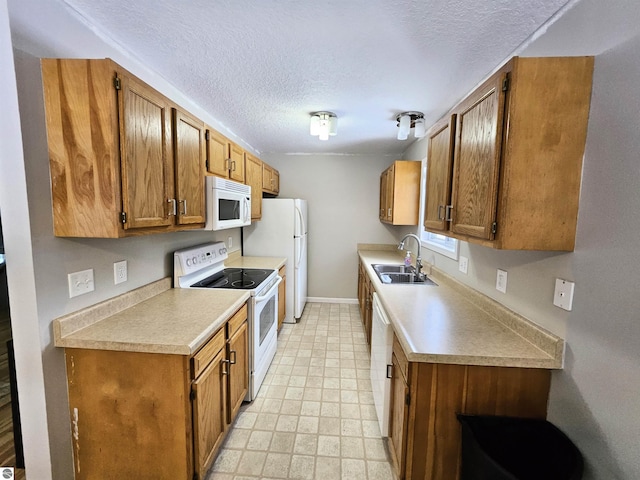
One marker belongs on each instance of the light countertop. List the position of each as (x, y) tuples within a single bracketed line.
[(156, 318), (451, 323)]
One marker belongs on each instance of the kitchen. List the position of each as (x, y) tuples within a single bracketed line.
[(598, 409)]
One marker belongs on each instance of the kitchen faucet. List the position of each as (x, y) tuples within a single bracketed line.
[(418, 258)]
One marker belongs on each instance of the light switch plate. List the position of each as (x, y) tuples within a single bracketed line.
[(80, 283), (501, 281), (230, 243), (463, 264), (563, 295)]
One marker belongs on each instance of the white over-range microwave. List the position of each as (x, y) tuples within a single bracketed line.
[(228, 204)]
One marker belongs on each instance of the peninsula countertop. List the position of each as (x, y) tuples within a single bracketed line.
[(452, 323)]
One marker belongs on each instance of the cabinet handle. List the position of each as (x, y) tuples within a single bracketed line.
[(389, 214), (183, 211), (233, 165), (173, 210), (228, 163), (440, 207), (225, 372), (447, 215), (389, 371), (232, 361)]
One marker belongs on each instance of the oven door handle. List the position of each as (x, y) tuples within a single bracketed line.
[(268, 294)]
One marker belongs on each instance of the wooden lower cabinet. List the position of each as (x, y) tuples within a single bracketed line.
[(365, 300), (156, 416), (425, 436), (282, 296)]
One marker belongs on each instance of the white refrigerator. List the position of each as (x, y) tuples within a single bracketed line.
[(282, 232)]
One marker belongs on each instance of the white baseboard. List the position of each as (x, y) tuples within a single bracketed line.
[(331, 300)]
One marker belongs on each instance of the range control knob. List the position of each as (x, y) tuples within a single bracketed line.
[(195, 260), (188, 262)]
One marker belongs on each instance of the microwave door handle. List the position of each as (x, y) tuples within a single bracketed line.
[(247, 209), (268, 294)]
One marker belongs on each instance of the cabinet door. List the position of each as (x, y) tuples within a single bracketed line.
[(253, 178), (282, 296), (236, 168), (266, 177), (390, 184), (189, 165), (238, 346), (146, 160), (398, 418), (383, 196), (276, 181), (209, 411), (477, 160), (439, 166), (217, 154)]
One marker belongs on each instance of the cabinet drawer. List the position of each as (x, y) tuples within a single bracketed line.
[(236, 321), (402, 358), (204, 356)]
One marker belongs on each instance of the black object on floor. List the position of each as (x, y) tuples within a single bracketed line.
[(510, 448)]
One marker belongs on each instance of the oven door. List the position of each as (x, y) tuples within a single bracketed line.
[(265, 334)]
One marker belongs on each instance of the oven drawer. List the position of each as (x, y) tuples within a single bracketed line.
[(207, 353), (237, 320)]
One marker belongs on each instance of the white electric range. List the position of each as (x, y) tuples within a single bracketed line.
[(202, 266)]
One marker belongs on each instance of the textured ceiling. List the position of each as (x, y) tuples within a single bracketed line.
[(260, 67)]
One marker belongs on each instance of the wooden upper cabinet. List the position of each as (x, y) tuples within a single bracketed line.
[(236, 155), (111, 153), (189, 168), (270, 180), (439, 167), (224, 157), (519, 144), (217, 154), (253, 178), (146, 162), (400, 193), (477, 159)]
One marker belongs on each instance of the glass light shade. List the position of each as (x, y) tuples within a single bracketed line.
[(404, 127), (333, 126), (314, 125), (418, 129)]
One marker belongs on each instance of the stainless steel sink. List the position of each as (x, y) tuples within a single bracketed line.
[(400, 274)]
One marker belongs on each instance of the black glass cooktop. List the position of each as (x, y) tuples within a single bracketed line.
[(238, 278)]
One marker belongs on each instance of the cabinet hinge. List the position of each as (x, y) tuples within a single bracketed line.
[(192, 395), (505, 84), (123, 217), (206, 135), (117, 84), (494, 227), (206, 162), (408, 399)]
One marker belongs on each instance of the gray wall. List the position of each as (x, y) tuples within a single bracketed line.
[(343, 195), (595, 398)]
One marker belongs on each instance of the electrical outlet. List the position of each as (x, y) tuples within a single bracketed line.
[(80, 283), (230, 243), (119, 272), (563, 295), (501, 281), (463, 264)]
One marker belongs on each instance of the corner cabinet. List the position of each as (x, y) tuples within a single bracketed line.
[(400, 193), (424, 433), (270, 180), (504, 170), (153, 415), (124, 159)]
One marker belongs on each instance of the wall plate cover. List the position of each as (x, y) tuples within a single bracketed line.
[(80, 283), (501, 281), (119, 272), (463, 264), (563, 295)]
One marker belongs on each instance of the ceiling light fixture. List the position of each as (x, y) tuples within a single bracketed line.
[(407, 121), (323, 124)]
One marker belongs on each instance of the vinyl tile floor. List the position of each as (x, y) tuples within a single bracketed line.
[(314, 416)]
